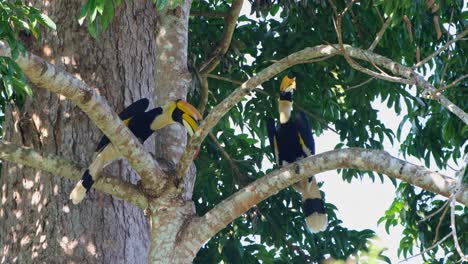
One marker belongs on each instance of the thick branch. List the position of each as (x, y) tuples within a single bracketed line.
[(304, 55), (48, 76), (203, 228), (223, 45), (62, 167)]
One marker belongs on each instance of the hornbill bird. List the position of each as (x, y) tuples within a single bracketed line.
[(142, 124), (292, 140)]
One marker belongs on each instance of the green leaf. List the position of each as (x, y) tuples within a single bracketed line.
[(108, 14), (48, 22), (83, 14), (160, 4), (92, 28)]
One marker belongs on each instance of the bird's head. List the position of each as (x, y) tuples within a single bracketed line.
[(288, 84), (178, 111)]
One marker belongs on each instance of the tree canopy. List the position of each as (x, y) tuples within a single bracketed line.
[(337, 97)]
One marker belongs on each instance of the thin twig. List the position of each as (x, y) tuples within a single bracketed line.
[(434, 213), (209, 14), (442, 79), (241, 180), (210, 64), (361, 84), (217, 77), (348, 6), (459, 188), (223, 45), (446, 46), (436, 237), (204, 90), (353, 63), (450, 85), (381, 32), (309, 61), (427, 249), (449, 56)]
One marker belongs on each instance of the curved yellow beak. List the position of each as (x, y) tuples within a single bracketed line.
[(288, 84), (191, 118)]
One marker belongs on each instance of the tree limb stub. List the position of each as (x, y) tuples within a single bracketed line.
[(70, 170), (203, 228), (223, 45), (56, 80), (296, 58)]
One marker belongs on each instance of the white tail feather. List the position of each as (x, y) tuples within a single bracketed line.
[(317, 222), (78, 193)]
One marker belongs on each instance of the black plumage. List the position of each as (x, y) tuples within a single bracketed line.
[(137, 120), (289, 147)]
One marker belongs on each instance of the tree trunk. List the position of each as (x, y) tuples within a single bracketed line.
[(38, 224)]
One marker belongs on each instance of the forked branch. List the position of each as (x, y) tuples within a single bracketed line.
[(60, 166), (306, 54), (56, 80), (203, 228)]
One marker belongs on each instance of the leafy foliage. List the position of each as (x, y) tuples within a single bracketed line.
[(17, 18), (325, 91), (334, 96)]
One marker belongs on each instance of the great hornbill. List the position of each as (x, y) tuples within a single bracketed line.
[(292, 140), (142, 124)]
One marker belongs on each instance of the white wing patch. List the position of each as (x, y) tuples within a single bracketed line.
[(275, 147)]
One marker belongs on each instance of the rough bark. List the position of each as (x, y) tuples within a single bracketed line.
[(37, 222), (170, 212)]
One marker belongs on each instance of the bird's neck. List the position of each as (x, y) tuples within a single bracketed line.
[(162, 119), (285, 106)]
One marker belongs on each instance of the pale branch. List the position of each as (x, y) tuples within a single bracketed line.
[(446, 46), (441, 89), (406, 72), (223, 45), (60, 166), (444, 71), (201, 229), (217, 77), (204, 92), (360, 84), (228, 158), (434, 213), (442, 216), (430, 93), (381, 32), (460, 187), (295, 58), (354, 64), (54, 79), (208, 14), (427, 249)]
